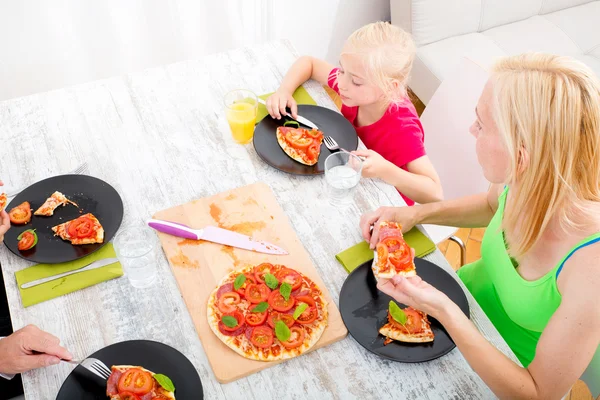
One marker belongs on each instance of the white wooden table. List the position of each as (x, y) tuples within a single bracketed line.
[(161, 139)]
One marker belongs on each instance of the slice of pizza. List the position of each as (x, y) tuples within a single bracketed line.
[(52, 203), (127, 382), (83, 230), (408, 325), (393, 255), (300, 144), (3, 201)]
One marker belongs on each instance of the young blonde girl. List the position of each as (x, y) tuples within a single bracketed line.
[(371, 80)]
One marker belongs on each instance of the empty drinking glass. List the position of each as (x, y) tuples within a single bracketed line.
[(136, 249), (342, 173)]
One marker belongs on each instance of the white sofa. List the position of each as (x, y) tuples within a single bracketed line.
[(483, 30)]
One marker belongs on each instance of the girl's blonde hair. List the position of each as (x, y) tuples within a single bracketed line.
[(549, 107), (388, 53)]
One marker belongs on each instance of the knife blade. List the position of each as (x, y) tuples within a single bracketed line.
[(300, 119), (216, 235), (96, 264)]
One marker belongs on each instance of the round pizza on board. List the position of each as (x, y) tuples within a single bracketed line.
[(267, 312), (392, 254)]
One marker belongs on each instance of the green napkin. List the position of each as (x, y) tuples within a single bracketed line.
[(67, 284), (361, 253), (300, 95)]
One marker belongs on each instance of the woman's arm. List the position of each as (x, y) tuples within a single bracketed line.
[(471, 211)]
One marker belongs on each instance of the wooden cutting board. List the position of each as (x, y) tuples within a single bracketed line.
[(199, 266)]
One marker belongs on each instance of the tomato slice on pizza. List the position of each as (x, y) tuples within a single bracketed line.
[(393, 255), (83, 230), (300, 144), (406, 325), (128, 382)]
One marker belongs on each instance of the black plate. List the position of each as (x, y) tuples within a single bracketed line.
[(91, 194), (153, 356), (330, 122), (364, 311)]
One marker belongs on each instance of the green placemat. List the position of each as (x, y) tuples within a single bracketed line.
[(361, 253), (300, 95), (67, 284)]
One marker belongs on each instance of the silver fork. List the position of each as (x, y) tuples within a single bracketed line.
[(331, 144), (95, 366), (79, 170)]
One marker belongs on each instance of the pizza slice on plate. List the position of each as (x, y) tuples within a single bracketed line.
[(127, 382), (300, 144), (83, 230), (3, 201), (408, 325), (52, 203), (392, 256)]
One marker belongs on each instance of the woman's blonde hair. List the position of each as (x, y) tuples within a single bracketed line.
[(388, 53), (547, 109)]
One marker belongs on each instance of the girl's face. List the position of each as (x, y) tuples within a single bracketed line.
[(355, 89), (491, 151)]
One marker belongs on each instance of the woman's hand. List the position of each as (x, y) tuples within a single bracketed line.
[(405, 216), (278, 101), (417, 293)]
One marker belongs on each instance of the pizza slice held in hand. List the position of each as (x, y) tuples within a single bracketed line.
[(83, 230), (393, 255), (408, 325), (3, 201)]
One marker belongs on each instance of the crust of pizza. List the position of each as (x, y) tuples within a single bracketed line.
[(160, 389), (241, 345), (52, 203), (394, 332), (293, 153), (3, 201), (62, 231)]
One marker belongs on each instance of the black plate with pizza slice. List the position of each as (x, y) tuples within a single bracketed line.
[(330, 122), (153, 356), (92, 196), (364, 311)]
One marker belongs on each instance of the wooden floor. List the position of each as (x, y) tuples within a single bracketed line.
[(472, 239)]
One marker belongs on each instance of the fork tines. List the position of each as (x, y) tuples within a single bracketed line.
[(97, 367)]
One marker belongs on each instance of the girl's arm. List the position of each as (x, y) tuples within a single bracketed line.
[(420, 183)]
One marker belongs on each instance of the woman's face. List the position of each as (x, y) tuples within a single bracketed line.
[(491, 151)]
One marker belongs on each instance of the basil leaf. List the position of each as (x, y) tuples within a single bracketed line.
[(397, 313), (261, 307), (285, 290), (271, 281), (229, 321), (300, 309), (286, 123), (282, 331), (165, 382), (239, 281)]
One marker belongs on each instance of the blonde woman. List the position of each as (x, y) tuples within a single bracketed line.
[(538, 141), (374, 67)]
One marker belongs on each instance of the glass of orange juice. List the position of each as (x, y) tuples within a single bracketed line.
[(240, 108)]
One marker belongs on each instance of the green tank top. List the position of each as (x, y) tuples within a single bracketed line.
[(518, 308)]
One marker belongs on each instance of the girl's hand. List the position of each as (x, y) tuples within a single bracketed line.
[(374, 165), (417, 293), (278, 101)]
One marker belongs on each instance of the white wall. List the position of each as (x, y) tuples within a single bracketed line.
[(47, 45)]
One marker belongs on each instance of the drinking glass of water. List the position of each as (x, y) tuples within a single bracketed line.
[(136, 250), (342, 173)]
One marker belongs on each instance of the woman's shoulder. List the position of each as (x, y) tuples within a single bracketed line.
[(581, 270)]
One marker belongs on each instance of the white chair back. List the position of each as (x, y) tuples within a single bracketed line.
[(449, 145)]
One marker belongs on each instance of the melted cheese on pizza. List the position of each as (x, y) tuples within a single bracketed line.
[(52, 203)]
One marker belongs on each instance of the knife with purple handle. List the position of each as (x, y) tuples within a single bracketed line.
[(216, 235)]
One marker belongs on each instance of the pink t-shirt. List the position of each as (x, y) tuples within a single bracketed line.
[(398, 136)]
